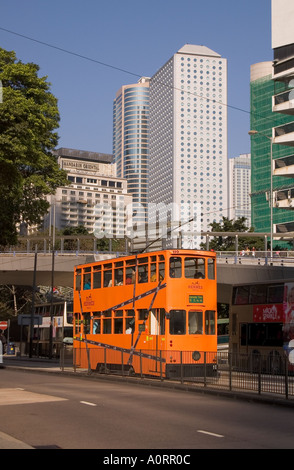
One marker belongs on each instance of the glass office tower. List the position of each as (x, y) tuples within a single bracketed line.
[(130, 142), (263, 119)]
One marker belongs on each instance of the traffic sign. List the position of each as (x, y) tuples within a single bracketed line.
[(3, 325), (27, 319)]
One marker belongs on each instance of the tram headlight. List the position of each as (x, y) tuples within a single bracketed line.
[(196, 355)]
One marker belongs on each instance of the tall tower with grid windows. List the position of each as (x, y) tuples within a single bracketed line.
[(188, 139), (240, 184)]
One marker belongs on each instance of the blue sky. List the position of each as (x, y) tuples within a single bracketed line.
[(138, 38)]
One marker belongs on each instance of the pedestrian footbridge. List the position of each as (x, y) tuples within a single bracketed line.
[(19, 269)]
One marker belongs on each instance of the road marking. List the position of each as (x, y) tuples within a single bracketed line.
[(19, 396), (88, 403), (210, 433)]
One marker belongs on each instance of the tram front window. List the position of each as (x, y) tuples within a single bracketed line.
[(177, 324)]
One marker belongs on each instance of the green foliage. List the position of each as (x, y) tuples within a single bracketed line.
[(29, 171), (227, 243), (14, 299)]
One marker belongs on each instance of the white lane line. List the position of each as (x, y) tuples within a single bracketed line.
[(88, 403), (210, 433)]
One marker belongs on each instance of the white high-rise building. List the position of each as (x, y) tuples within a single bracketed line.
[(188, 139), (240, 187)]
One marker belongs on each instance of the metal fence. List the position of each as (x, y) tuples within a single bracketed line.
[(226, 371)]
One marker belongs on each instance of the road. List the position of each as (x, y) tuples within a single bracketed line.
[(48, 411)]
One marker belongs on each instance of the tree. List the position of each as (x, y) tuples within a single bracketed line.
[(227, 243), (29, 170)]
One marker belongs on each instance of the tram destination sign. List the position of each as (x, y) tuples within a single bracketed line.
[(195, 299)]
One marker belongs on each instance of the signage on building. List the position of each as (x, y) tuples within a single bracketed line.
[(268, 313), (103, 168)]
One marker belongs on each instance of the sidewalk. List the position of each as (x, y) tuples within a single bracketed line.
[(34, 363), (37, 364), (8, 442)]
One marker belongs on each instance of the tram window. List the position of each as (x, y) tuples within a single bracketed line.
[(142, 314), (210, 322), (87, 281), (143, 273), (118, 313), (131, 262), (195, 323), (118, 277), (96, 326), (130, 271), (161, 267), (211, 268), (129, 321), (194, 268), (86, 323), (177, 324), (118, 326), (107, 326), (96, 277), (130, 326), (130, 313), (153, 274), (175, 267), (107, 275), (78, 279)]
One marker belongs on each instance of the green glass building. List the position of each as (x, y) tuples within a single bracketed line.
[(263, 119)]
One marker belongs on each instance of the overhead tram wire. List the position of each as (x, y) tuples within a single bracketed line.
[(104, 64), (81, 56)]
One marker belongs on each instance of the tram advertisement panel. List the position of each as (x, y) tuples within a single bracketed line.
[(288, 306)]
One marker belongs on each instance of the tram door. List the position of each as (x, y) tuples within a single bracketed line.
[(157, 332)]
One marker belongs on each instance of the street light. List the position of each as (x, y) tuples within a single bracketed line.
[(254, 132)]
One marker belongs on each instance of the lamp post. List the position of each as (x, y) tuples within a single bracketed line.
[(254, 132)]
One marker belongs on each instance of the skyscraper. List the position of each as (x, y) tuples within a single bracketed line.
[(239, 187), (130, 142), (262, 89), (188, 138)]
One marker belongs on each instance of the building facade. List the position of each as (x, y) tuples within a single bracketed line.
[(130, 142), (283, 105), (95, 198), (240, 187), (188, 140), (272, 116), (262, 120)]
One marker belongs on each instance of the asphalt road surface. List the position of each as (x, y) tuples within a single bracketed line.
[(48, 411)]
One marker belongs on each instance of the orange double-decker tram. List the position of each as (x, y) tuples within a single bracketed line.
[(151, 314)]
